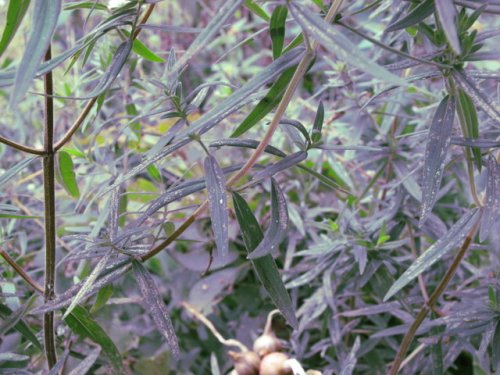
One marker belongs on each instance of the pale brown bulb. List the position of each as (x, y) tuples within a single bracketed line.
[(265, 344), (245, 363), (274, 364)]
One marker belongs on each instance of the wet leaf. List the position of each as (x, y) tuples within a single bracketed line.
[(15, 14), (155, 306), (438, 142), (265, 267), (277, 230), (283, 164), (44, 24), (416, 15), (217, 203), (87, 363), (335, 42), (246, 143), (471, 142), (67, 172), (455, 235), (82, 323), (448, 15), (14, 319), (277, 29), (492, 203)]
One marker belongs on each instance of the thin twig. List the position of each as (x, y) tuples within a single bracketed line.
[(410, 334), (21, 147), (211, 327), (38, 288)]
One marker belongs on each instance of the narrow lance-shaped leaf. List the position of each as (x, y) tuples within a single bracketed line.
[(201, 41), (257, 10), (15, 14), (448, 15), (246, 143), (478, 143), (276, 232), (495, 346), (85, 365), (277, 29), (440, 248), (66, 170), (217, 202), (46, 14), (265, 267), (142, 50), (285, 163), (438, 142), (10, 173), (416, 15), (335, 42), (492, 204), (88, 282), (266, 104), (155, 305), (20, 325), (318, 123), (61, 362), (467, 113), (82, 323)]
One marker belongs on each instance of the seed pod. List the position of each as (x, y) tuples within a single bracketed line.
[(245, 363), (274, 364), (265, 344)]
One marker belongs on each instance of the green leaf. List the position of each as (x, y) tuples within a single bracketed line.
[(102, 298), (44, 24), (217, 202), (154, 172), (467, 112), (438, 142), (82, 323), (495, 346), (277, 29), (15, 14), (277, 230), (418, 14), (66, 170), (8, 215), (94, 5), (257, 10), (440, 248), (142, 50), (318, 123), (155, 306), (265, 267), (266, 104), (14, 320)]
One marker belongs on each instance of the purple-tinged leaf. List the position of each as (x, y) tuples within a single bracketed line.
[(285, 163), (89, 282), (440, 248), (335, 42), (318, 123), (495, 346), (416, 15), (15, 14), (61, 361), (217, 203), (438, 142), (246, 143), (475, 142), (87, 362), (44, 24), (277, 230), (479, 98), (155, 306), (492, 204), (10, 173), (265, 267), (349, 363), (82, 323), (227, 10), (448, 16), (21, 326)]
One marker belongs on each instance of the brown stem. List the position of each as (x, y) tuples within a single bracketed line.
[(409, 336), (50, 216), (21, 147), (38, 288)]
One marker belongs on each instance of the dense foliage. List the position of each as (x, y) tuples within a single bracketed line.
[(172, 171)]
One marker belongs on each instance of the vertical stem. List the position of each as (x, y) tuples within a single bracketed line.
[(50, 216)]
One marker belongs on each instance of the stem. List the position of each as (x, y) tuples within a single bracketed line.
[(86, 110), (20, 147), (285, 100), (50, 216), (38, 288), (409, 336)]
